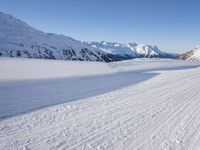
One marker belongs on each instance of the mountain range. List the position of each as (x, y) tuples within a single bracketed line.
[(18, 39), (133, 50)]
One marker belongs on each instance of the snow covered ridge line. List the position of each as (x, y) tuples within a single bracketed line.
[(132, 49), (193, 55), (21, 40)]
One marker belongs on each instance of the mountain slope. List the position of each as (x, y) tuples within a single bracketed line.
[(194, 54), (20, 40)]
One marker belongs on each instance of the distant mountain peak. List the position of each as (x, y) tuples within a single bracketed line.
[(193, 54), (132, 49)]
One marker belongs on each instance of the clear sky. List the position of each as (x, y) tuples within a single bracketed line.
[(172, 25)]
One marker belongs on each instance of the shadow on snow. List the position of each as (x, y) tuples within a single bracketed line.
[(24, 96)]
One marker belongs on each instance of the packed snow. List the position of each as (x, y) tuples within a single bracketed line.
[(135, 104)]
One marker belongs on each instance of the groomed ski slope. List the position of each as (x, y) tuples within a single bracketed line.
[(137, 104)]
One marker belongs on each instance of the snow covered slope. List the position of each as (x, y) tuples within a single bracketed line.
[(141, 105), (131, 50), (20, 40), (192, 55)]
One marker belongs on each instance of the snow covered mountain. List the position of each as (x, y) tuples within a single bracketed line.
[(194, 54), (133, 50), (20, 40)]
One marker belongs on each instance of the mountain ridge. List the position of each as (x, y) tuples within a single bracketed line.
[(132, 49), (193, 54), (18, 39)]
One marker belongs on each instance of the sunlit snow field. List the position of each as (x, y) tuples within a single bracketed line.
[(141, 103)]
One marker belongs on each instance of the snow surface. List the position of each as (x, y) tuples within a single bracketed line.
[(25, 69), (135, 104)]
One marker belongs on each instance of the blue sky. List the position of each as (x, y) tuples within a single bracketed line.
[(172, 25)]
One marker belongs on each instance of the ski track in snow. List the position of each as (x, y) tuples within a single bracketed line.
[(157, 110)]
